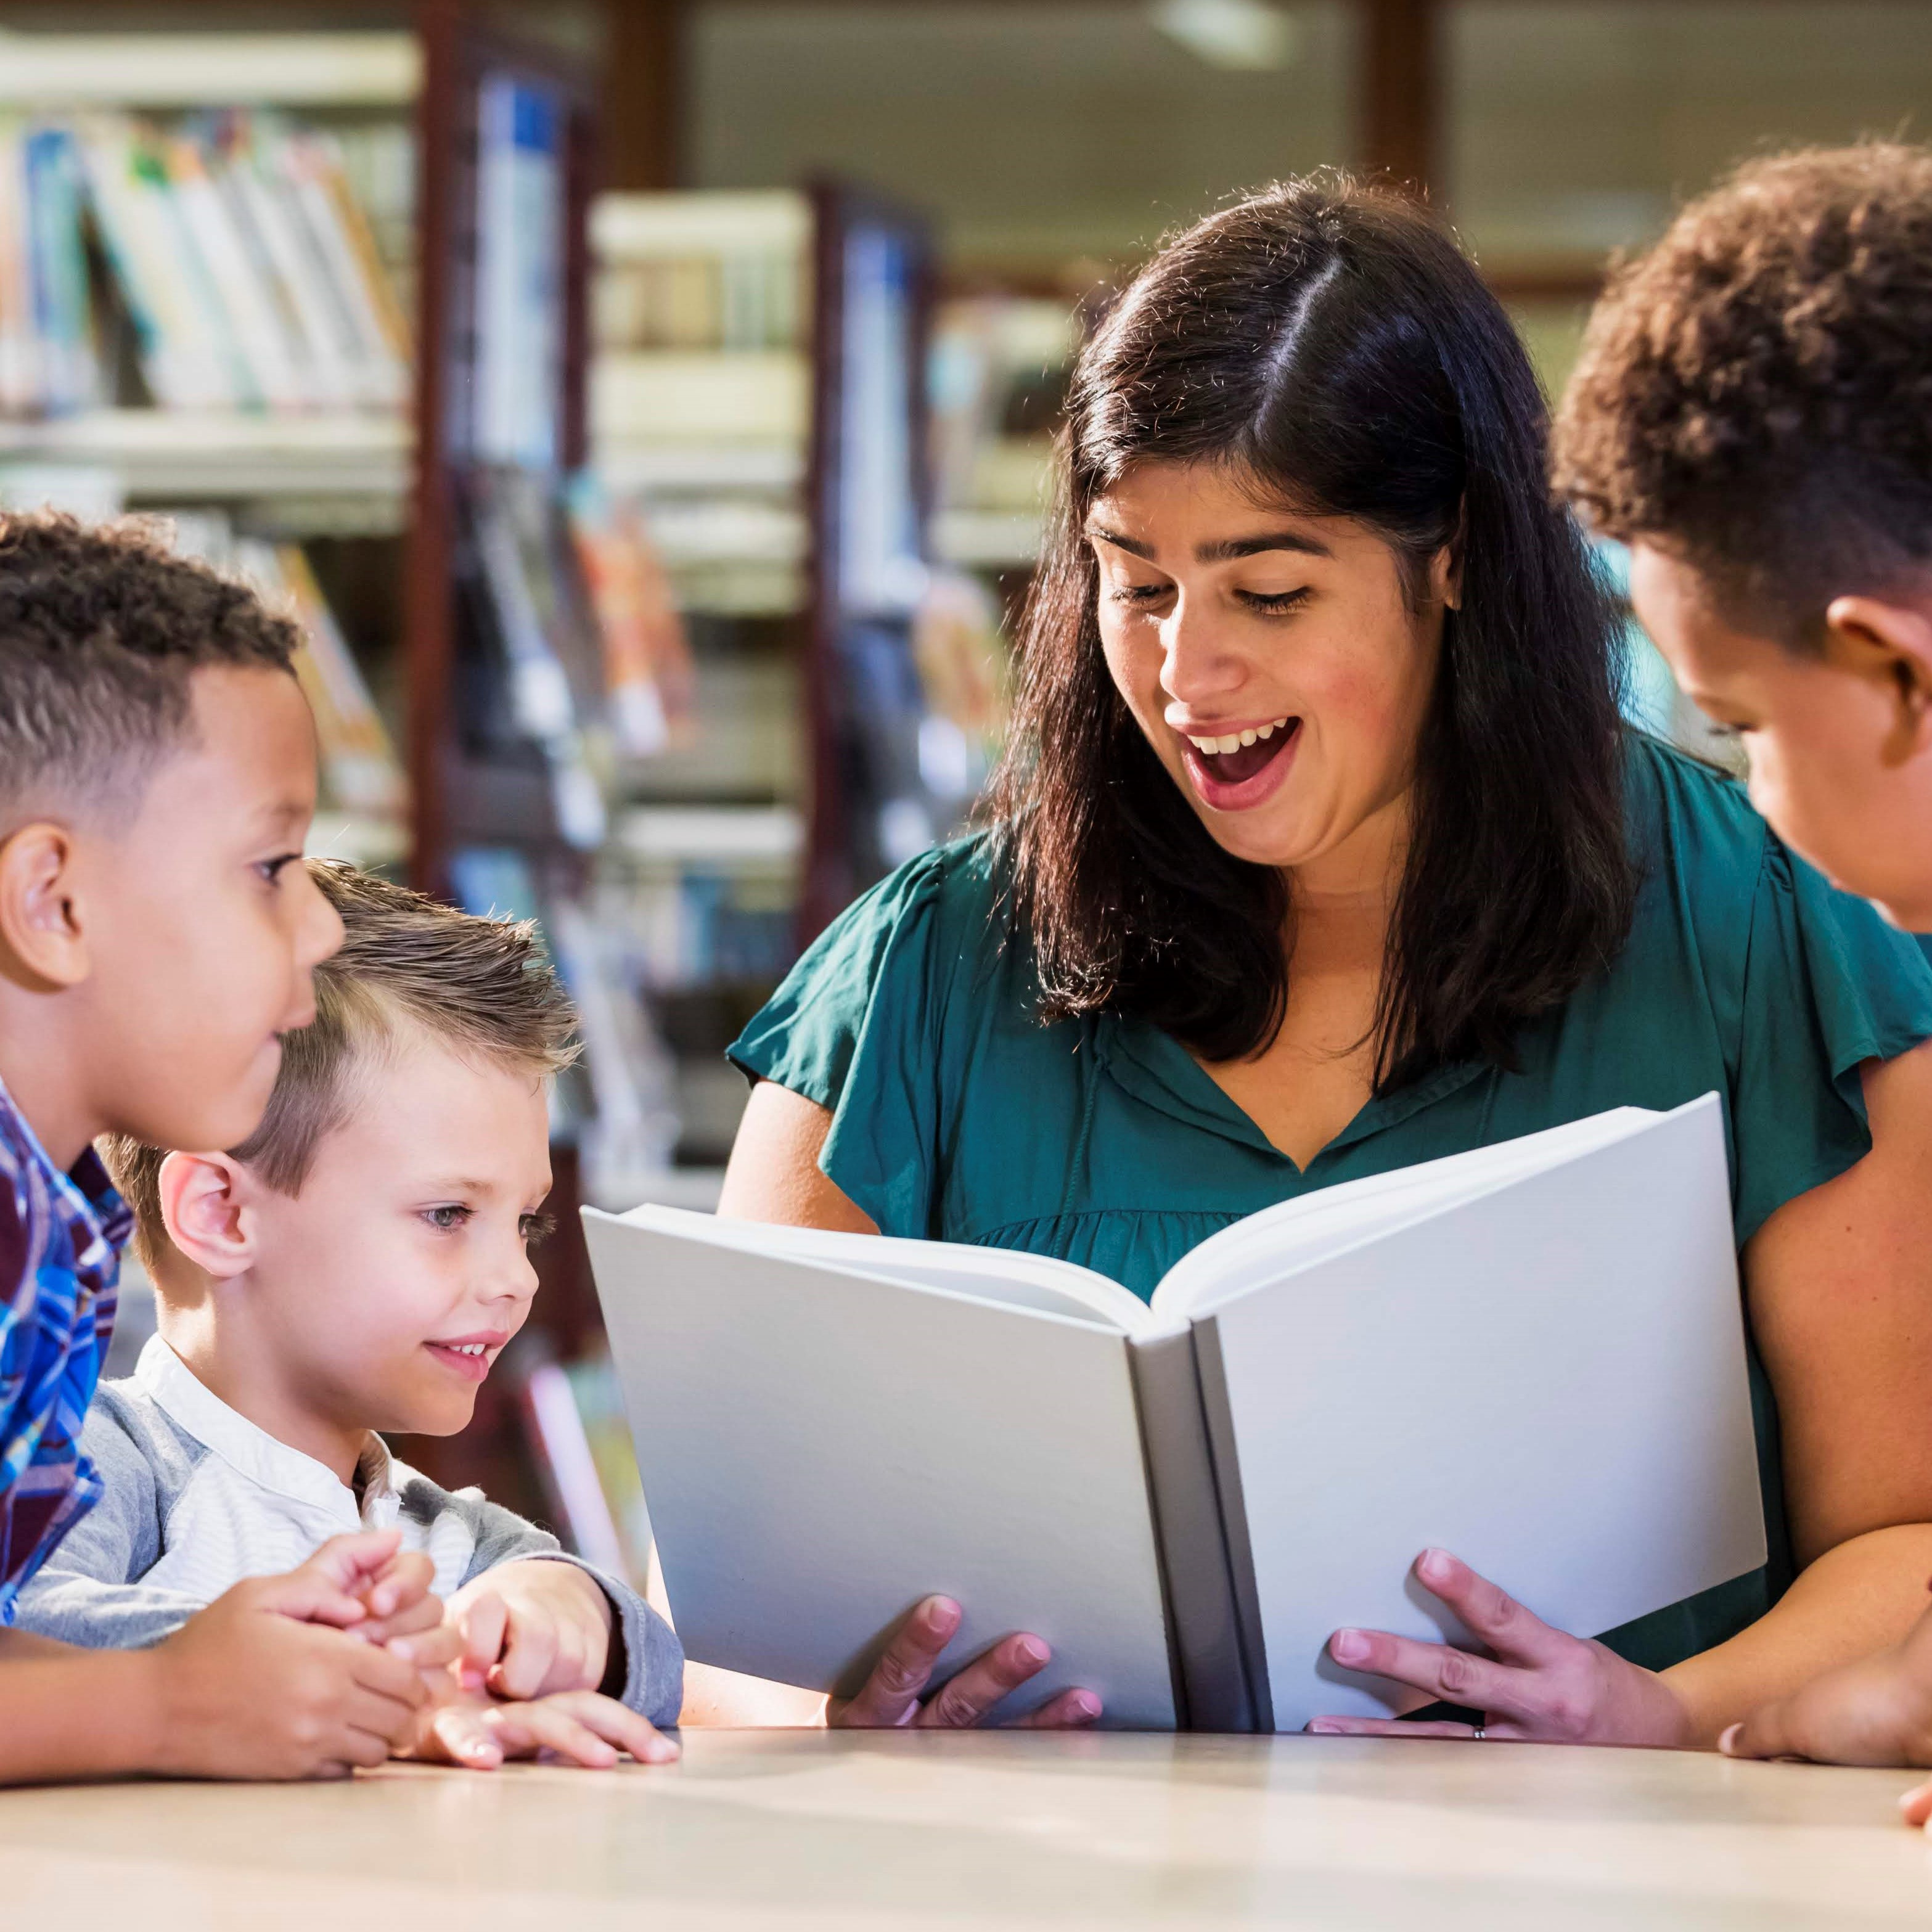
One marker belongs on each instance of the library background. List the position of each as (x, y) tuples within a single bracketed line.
[(645, 409)]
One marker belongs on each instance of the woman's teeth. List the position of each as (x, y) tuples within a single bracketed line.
[(1234, 740), (465, 1347)]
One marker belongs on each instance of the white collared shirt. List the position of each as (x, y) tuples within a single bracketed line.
[(254, 1506)]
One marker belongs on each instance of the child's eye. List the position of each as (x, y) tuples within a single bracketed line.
[(272, 869), (535, 1227), (449, 1217)]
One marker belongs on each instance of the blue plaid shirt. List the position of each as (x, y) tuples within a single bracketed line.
[(61, 1238)]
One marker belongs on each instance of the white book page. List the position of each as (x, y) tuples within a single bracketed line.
[(1548, 1380), (1267, 1246), (1013, 1279), (820, 1448)]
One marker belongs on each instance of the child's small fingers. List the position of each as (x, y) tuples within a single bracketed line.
[(436, 1649), (618, 1724), (548, 1726), (1766, 1733), (529, 1651), (462, 1735), (484, 1623), (404, 1582), (1917, 1804)]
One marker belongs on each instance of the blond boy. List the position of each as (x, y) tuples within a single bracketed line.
[(358, 1265)]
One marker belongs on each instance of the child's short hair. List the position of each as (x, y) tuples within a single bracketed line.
[(100, 631), (1757, 391), (481, 986)]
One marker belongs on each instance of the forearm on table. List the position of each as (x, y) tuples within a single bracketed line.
[(1854, 1599), (725, 1699), (66, 1713)]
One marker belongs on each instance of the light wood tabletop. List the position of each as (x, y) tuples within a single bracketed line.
[(798, 1829)]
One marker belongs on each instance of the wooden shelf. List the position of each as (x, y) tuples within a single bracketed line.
[(195, 70), (696, 469), (163, 455), (987, 539)]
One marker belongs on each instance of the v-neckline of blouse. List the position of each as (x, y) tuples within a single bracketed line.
[(1156, 1068)]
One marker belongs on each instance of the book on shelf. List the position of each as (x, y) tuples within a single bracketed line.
[(615, 1101), (231, 241), (574, 1419), (706, 272), (361, 770), (648, 675), (542, 661), (48, 359), (361, 774), (1531, 1354), (520, 250)]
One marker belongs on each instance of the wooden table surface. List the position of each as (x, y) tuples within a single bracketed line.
[(793, 1829)]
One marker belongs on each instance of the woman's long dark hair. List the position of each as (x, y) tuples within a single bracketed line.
[(1333, 348)]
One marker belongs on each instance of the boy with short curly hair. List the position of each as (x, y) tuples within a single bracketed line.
[(1752, 415), (156, 936), (358, 1264)]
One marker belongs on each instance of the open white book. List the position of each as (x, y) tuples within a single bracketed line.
[(1532, 1354)]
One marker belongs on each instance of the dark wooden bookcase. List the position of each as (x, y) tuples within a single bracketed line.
[(458, 797)]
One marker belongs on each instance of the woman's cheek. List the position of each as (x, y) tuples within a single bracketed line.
[(1134, 665)]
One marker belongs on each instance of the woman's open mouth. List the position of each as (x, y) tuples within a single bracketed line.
[(1237, 769)]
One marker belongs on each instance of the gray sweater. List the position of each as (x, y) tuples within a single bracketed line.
[(196, 1498)]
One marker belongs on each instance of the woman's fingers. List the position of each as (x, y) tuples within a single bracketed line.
[(1071, 1711), (964, 1699), (1385, 1727), (1515, 1634), (890, 1695), (1443, 1671)]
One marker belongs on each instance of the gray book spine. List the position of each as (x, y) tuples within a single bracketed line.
[(1215, 1683)]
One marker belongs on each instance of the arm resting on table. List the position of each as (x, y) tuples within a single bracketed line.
[(1839, 1281)]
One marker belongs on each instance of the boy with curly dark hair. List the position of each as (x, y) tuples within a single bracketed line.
[(157, 934), (1752, 415)]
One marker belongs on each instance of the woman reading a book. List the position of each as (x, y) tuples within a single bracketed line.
[(1321, 849)]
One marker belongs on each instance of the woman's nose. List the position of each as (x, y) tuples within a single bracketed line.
[(1198, 661)]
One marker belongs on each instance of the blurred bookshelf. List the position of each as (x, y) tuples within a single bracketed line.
[(606, 522)]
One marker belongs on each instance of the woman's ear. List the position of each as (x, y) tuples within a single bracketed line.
[(1889, 644), (205, 1205), (1445, 567), (43, 942)]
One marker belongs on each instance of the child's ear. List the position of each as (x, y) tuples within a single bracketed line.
[(1891, 642), (41, 938), (205, 1204)]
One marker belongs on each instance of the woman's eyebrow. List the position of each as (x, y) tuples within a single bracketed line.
[(1230, 548), (1132, 545)]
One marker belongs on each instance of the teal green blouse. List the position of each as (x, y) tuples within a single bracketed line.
[(956, 1115)]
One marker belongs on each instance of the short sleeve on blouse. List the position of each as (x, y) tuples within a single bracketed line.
[(1827, 984), (855, 1027)]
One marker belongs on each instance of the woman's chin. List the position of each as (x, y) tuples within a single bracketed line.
[(1249, 838)]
